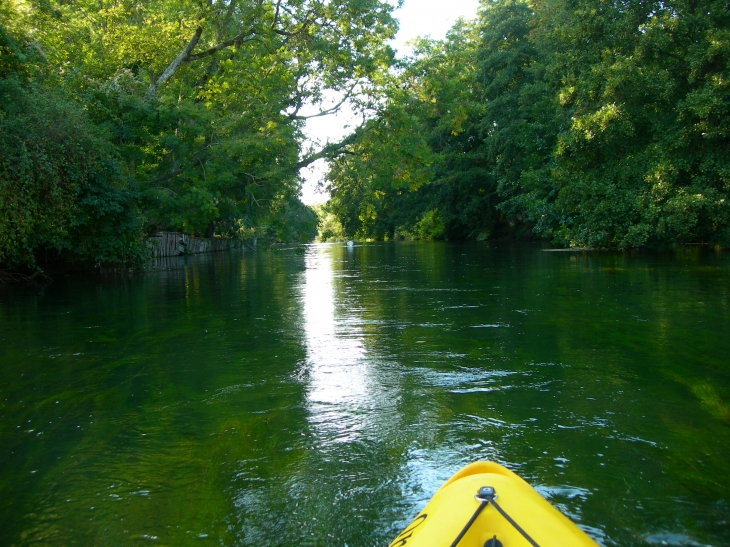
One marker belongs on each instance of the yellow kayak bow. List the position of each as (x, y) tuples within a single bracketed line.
[(487, 505)]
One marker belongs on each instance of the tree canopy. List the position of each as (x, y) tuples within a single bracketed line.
[(591, 122), (595, 123), (174, 115)]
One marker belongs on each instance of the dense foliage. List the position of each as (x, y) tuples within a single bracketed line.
[(121, 118), (591, 122), (61, 189)]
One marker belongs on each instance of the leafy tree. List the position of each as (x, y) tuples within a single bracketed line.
[(192, 111), (591, 122), (645, 159), (329, 227), (414, 164), (61, 190), (213, 128)]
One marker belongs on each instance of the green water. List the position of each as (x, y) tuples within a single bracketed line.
[(289, 399)]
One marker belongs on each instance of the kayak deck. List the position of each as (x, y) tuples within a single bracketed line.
[(510, 513)]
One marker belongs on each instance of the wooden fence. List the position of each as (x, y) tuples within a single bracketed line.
[(176, 244)]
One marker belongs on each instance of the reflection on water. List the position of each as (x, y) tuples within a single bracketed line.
[(338, 386), (289, 399)]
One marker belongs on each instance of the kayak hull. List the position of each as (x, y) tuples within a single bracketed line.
[(454, 504)]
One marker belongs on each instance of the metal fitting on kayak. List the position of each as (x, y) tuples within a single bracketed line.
[(486, 493)]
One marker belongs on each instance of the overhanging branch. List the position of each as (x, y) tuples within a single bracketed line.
[(330, 150), (327, 111), (235, 41), (175, 65)]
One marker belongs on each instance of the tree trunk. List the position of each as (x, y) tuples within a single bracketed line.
[(210, 230)]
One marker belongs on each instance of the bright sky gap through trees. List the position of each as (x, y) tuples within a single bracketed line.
[(416, 18)]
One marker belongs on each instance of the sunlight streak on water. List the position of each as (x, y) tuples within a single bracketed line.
[(339, 384), (334, 354)]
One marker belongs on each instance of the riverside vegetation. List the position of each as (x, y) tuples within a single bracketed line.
[(589, 122), (119, 119)]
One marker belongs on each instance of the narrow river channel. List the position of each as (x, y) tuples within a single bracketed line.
[(283, 398)]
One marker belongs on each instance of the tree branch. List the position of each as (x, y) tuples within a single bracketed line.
[(330, 150), (327, 111), (289, 34), (276, 14), (187, 55), (175, 65), (235, 41)]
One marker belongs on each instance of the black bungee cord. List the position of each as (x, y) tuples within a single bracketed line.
[(485, 496)]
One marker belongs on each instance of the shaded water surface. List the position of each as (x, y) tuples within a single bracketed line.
[(316, 399)]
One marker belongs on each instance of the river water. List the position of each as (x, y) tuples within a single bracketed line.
[(289, 398)]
